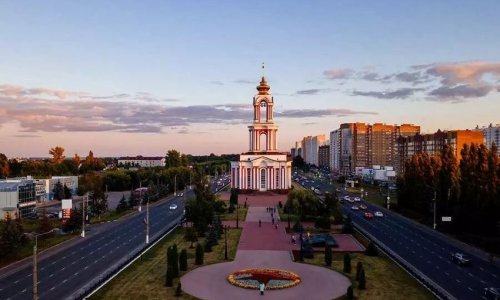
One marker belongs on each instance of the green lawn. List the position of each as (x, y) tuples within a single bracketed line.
[(374, 194), (145, 278), (242, 214)]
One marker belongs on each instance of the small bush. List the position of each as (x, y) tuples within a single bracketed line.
[(183, 263), (169, 280), (347, 263), (178, 290), (328, 256), (359, 267), (362, 280), (371, 249), (297, 227), (199, 254), (350, 293)]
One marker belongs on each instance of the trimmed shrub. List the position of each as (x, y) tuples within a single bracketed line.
[(350, 293), (347, 263), (183, 262), (297, 227), (371, 249), (175, 261), (178, 290), (169, 280), (362, 280), (328, 256), (199, 254), (359, 267)]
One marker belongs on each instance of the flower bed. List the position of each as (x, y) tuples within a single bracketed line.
[(272, 278)]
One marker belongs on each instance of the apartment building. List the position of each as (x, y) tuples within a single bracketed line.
[(434, 143)]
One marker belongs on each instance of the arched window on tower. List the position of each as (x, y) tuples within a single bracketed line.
[(263, 110), (263, 141)]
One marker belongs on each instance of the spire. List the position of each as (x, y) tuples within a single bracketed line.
[(263, 87)]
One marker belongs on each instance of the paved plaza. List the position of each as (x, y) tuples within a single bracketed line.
[(264, 246)]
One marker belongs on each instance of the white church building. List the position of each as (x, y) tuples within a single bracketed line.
[(263, 167)]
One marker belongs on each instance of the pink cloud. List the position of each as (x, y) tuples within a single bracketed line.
[(337, 73)]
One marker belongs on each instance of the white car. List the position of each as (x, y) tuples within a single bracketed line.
[(172, 206), (355, 207), (347, 198), (379, 214), (357, 199), (180, 194)]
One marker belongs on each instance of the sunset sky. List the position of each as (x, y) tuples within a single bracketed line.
[(143, 77)]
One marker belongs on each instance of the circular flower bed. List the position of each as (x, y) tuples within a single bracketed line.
[(272, 278)]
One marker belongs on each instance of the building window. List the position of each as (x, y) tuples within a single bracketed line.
[(249, 178), (263, 179)]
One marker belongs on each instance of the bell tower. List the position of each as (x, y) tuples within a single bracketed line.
[(263, 135)]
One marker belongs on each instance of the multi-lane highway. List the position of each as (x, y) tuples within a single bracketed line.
[(426, 250), (62, 275)]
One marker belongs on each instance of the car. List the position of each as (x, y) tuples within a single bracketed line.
[(172, 206), (322, 240), (368, 215), (362, 206), (347, 198), (460, 258), (379, 214), (357, 199), (355, 207), (180, 194), (492, 293)]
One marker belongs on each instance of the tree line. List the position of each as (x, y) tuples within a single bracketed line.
[(468, 190)]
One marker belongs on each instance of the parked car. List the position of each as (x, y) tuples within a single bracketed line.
[(321, 240), (357, 199), (491, 293), (379, 214), (172, 206), (355, 207), (460, 258), (368, 215), (347, 198), (362, 206)]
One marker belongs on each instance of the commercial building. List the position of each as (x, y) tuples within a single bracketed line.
[(434, 143), (141, 161), (71, 182), (263, 167), (17, 198)]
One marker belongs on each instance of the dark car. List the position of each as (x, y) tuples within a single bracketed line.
[(460, 258), (321, 240), (491, 293)]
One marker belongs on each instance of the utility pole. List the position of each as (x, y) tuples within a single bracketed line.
[(225, 242), (35, 265), (434, 210), (147, 221), (175, 185), (85, 198)]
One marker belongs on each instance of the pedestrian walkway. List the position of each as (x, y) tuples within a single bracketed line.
[(264, 246)]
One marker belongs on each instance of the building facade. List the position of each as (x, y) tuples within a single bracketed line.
[(365, 145), (324, 156), (263, 167), (141, 161), (434, 143), (491, 135), (17, 198)]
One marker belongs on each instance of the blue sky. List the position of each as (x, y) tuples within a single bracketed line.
[(176, 74)]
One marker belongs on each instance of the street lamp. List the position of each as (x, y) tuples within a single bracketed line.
[(388, 202), (147, 221), (35, 264), (434, 200), (175, 185), (362, 193), (85, 199), (225, 242)]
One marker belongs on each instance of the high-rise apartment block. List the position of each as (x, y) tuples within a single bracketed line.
[(324, 156), (364, 145), (491, 135), (434, 143)]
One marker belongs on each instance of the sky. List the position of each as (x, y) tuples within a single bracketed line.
[(142, 77)]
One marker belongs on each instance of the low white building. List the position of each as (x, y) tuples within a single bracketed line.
[(17, 197), (141, 161), (377, 173)]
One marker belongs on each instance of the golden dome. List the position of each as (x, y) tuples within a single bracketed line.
[(263, 87)]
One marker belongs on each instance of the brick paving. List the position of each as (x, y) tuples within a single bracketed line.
[(267, 247)]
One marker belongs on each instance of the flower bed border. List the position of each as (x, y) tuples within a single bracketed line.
[(294, 278)]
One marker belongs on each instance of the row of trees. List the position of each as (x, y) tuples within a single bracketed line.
[(468, 191)]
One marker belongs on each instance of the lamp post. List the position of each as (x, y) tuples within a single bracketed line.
[(175, 185), (362, 193), (237, 214), (147, 221), (35, 264), (225, 242), (85, 199), (434, 210)]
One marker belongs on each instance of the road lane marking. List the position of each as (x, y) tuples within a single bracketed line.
[(23, 291), (52, 288), (458, 281), (471, 275), (469, 289), (51, 275), (15, 282)]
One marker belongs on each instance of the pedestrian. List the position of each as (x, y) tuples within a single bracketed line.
[(272, 215), (272, 220), (260, 223), (293, 239), (276, 225), (261, 288), (275, 209)]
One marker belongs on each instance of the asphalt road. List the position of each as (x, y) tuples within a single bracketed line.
[(427, 251), (62, 274)]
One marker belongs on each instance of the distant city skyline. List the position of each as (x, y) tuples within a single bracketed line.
[(129, 78)]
